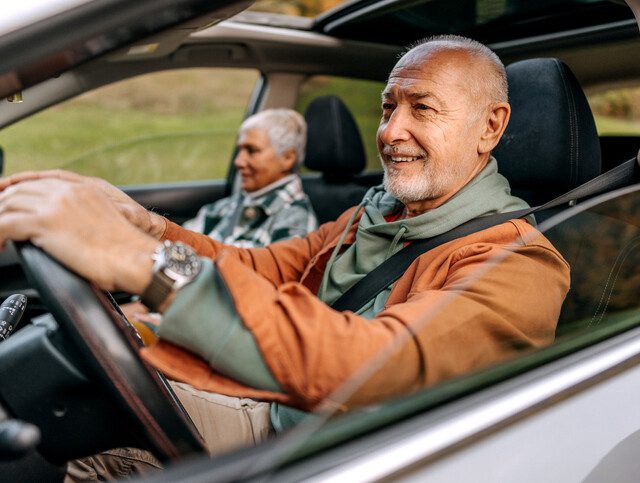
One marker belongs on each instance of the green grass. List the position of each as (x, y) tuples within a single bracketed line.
[(617, 127), (124, 147), (169, 126)]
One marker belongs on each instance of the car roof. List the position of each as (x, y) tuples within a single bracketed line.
[(515, 30), (62, 34), (402, 22)]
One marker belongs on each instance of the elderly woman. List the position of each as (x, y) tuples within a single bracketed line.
[(271, 205)]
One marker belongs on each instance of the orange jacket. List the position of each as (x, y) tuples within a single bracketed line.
[(459, 307)]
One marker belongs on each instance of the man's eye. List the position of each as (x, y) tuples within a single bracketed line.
[(422, 107), (387, 106)]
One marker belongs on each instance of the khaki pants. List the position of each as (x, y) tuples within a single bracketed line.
[(225, 423)]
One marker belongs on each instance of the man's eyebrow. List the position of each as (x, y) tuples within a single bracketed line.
[(421, 95), (413, 95)]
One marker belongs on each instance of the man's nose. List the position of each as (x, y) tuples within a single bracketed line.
[(395, 129)]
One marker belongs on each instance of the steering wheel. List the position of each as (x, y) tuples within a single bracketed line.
[(109, 347)]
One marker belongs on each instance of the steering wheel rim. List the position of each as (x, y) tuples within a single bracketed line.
[(110, 349)]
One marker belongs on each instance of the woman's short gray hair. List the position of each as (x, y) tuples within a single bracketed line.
[(285, 128)]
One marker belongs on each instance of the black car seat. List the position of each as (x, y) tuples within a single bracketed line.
[(551, 144), (334, 147)]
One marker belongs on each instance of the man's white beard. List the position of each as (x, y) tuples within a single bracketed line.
[(427, 184)]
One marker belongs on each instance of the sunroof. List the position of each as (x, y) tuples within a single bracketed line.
[(302, 8), (402, 22)]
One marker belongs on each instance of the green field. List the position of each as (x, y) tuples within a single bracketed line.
[(162, 127), (617, 127), (125, 148), (176, 126)]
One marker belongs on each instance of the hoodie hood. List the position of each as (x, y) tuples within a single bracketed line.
[(377, 239)]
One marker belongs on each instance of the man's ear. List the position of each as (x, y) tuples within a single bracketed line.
[(496, 123), (288, 161)]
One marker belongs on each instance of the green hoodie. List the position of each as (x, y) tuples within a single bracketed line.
[(376, 239)]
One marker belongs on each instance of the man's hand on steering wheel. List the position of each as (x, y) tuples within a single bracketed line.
[(81, 226), (147, 221)]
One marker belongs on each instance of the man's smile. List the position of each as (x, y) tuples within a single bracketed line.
[(404, 159), (402, 154)]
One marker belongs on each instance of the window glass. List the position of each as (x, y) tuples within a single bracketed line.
[(617, 111), (604, 275), (161, 127), (363, 100), (602, 302)]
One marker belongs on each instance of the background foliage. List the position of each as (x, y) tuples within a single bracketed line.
[(306, 8)]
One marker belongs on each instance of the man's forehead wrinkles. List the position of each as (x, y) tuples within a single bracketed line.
[(407, 92)]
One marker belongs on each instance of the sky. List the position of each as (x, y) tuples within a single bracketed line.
[(24, 12)]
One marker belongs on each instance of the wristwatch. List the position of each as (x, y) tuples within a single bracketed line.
[(175, 266)]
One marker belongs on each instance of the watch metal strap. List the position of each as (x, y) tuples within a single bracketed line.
[(157, 291)]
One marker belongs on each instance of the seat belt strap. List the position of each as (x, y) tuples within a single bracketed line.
[(392, 268)]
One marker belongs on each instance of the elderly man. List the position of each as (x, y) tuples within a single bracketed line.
[(271, 205), (458, 307)]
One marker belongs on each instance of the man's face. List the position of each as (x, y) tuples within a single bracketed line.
[(257, 162), (430, 127)]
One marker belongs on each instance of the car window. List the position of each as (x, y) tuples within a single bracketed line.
[(602, 302), (362, 97), (160, 127), (307, 8), (617, 114), (617, 111)]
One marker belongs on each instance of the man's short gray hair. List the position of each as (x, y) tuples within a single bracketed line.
[(495, 84), (285, 128)]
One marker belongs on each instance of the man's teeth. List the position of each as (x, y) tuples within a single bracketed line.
[(404, 159)]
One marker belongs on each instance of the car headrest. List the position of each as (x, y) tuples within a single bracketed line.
[(551, 143), (334, 145)]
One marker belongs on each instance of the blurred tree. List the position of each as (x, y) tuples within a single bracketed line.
[(306, 8)]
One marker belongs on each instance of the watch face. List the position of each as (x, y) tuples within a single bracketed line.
[(183, 262)]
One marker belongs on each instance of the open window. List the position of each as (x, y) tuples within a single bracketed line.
[(157, 128)]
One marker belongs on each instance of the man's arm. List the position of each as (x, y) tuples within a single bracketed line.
[(82, 228), (482, 304), (277, 265), (147, 221)]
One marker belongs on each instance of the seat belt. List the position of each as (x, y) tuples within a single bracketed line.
[(393, 267)]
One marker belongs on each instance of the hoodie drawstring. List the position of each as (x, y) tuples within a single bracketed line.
[(336, 250), (396, 239)]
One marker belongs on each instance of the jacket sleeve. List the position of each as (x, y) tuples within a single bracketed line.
[(279, 262), (486, 303)]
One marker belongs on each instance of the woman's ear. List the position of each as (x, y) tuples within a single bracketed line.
[(288, 161)]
